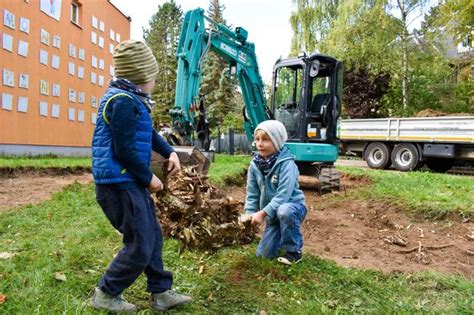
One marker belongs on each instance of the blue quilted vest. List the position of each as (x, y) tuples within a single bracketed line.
[(106, 169)]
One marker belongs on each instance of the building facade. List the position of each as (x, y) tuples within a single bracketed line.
[(55, 63)]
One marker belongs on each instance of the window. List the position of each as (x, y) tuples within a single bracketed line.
[(466, 42), (75, 12), (287, 97), (288, 86)]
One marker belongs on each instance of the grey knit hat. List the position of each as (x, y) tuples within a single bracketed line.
[(275, 130), (134, 61)]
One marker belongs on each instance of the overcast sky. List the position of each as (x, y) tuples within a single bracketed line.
[(267, 22)]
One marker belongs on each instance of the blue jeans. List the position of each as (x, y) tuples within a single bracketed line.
[(132, 212), (284, 233)]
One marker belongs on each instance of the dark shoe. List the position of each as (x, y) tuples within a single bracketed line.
[(167, 300), (290, 258), (115, 304)]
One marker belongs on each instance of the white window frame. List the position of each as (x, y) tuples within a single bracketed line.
[(75, 11)]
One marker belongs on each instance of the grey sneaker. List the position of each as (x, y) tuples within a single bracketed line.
[(116, 304), (167, 300)]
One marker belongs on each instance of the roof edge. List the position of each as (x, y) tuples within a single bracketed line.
[(116, 8)]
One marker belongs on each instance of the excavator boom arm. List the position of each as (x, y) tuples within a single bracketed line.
[(195, 42)]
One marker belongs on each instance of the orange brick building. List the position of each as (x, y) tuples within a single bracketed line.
[(55, 61)]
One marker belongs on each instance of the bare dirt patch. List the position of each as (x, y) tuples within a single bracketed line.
[(30, 187), (371, 234), (352, 232)]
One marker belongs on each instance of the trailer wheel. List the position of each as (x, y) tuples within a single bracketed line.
[(377, 155), (440, 165), (405, 157)]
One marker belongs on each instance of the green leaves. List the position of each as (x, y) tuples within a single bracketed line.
[(375, 37), (162, 37), (455, 16), (218, 87)]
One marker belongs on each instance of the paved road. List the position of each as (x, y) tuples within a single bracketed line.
[(358, 163), (459, 170)]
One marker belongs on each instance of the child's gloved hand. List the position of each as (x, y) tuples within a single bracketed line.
[(155, 184), (173, 164), (258, 217)]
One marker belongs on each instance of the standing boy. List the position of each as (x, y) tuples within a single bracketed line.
[(121, 153), (273, 195)]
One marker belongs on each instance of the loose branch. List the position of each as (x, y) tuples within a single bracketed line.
[(420, 247)]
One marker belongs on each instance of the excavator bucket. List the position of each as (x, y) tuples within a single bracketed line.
[(188, 156)]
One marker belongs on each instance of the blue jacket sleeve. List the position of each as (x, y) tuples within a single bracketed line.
[(288, 175), (160, 146), (123, 124), (252, 199)]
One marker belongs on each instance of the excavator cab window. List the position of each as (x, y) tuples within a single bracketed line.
[(320, 101), (287, 98), (320, 92)]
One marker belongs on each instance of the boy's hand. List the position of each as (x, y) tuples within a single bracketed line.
[(173, 164), (155, 184), (258, 217)]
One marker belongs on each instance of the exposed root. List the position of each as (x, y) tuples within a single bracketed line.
[(394, 239), (421, 247), (468, 252)]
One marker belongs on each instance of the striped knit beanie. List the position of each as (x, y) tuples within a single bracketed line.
[(134, 61)]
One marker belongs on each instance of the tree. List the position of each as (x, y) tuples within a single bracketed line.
[(311, 22), (364, 92), (364, 36), (359, 36), (218, 87), (370, 38), (455, 16), (406, 8), (448, 24), (163, 37)]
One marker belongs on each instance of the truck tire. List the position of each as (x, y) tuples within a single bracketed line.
[(405, 157), (440, 165), (377, 155)]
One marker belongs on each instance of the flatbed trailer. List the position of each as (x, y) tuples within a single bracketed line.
[(408, 143)]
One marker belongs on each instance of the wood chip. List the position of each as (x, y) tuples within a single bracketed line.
[(6, 255), (60, 276)]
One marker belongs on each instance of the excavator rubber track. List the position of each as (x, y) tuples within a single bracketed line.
[(322, 177), (329, 179)]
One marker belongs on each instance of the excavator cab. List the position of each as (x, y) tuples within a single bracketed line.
[(306, 98)]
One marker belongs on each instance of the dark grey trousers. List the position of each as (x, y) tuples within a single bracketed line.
[(132, 212)]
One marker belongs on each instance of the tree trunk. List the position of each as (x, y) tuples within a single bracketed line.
[(405, 70), (404, 55)]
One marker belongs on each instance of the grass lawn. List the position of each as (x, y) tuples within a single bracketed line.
[(70, 235), (223, 170), (227, 169), (431, 194), (44, 161)]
